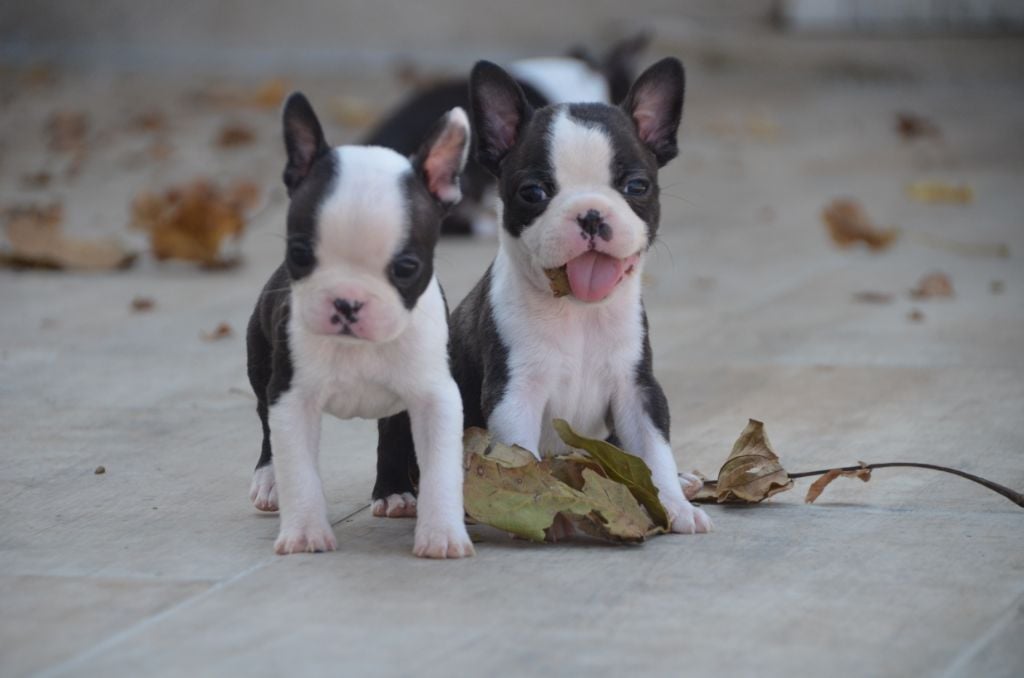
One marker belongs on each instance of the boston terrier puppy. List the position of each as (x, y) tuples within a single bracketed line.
[(577, 77), (556, 328), (354, 323)]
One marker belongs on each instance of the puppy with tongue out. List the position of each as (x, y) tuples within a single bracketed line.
[(556, 328)]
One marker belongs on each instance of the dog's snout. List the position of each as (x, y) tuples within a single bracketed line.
[(593, 224), (348, 308)]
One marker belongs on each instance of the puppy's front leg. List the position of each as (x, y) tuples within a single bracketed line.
[(295, 429), (640, 414), (436, 419)]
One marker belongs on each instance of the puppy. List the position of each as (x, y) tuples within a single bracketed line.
[(354, 323), (579, 189), (579, 76)]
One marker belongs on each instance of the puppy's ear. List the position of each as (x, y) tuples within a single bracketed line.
[(303, 139), (442, 157), (499, 110), (655, 103)]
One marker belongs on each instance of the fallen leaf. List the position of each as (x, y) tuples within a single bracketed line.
[(196, 221), (870, 297), (997, 287), (36, 180), (558, 279), (222, 331), (940, 192), (523, 500), (913, 126), (40, 75), (915, 316), (616, 514), (36, 240), (819, 485), (933, 285), (848, 225), (619, 466), (269, 94), (143, 304), (149, 121), (100, 470), (234, 134), (67, 131), (752, 473), (477, 441)]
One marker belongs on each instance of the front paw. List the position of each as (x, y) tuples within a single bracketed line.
[(263, 490), (395, 506), (687, 518), (305, 536), (442, 540)]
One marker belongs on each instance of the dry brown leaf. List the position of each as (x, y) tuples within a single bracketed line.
[(222, 331), (67, 131), (913, 126), (143, 304), (940, 192), (933, 285), (100, 470), (194, 222), (848, 225), (915, 316), (234, 134), (36, 180), (150, 121), (997, 287), (869, 297), (819, 485), (36, 240), (269, 94), (752, 473), (558, 279)]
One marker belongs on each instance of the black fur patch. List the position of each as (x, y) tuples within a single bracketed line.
[(531, 159), (304, 209), (424, 222), (478, 355), (654, 401)]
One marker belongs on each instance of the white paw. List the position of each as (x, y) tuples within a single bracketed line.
[(442, 540), (395, 506), (687, 518), (305, 536), (263, 490), (691, 484)]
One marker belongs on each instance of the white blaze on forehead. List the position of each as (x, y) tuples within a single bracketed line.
[(362, 222), (562, 80), (581, 155)]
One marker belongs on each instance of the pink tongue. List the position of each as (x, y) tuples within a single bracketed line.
[(593, 276)]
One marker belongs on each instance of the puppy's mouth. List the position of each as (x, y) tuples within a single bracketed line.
[(590, 277)]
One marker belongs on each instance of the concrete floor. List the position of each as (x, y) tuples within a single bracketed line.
[(160, 566)]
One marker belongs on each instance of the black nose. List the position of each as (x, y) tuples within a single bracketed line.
[(349, 309), (593, 224)]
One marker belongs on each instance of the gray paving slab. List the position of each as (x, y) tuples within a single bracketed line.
[(160, 566)]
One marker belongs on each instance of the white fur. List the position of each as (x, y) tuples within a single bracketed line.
[(263, 490), (562, 79), (568, 359), (404, 367)]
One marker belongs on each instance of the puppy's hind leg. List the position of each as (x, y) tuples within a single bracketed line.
[(394, 493), (263, 489)]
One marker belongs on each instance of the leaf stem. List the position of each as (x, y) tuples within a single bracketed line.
[(1014, 496)]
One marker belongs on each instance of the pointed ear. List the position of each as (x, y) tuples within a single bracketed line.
[(442, 157), (499, 111), (655, 104), (303, 139)]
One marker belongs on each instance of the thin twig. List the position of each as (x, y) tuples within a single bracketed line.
[(1014, 496)]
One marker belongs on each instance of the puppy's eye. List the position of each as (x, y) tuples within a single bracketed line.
[(300, 255), (533, 193), (637, 187), (405, 267)]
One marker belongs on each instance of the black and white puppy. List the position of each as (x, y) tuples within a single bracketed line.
[(354, 323), (579, 188)]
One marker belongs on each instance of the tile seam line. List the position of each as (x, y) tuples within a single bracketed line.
[(125, 634), (960, 661)]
